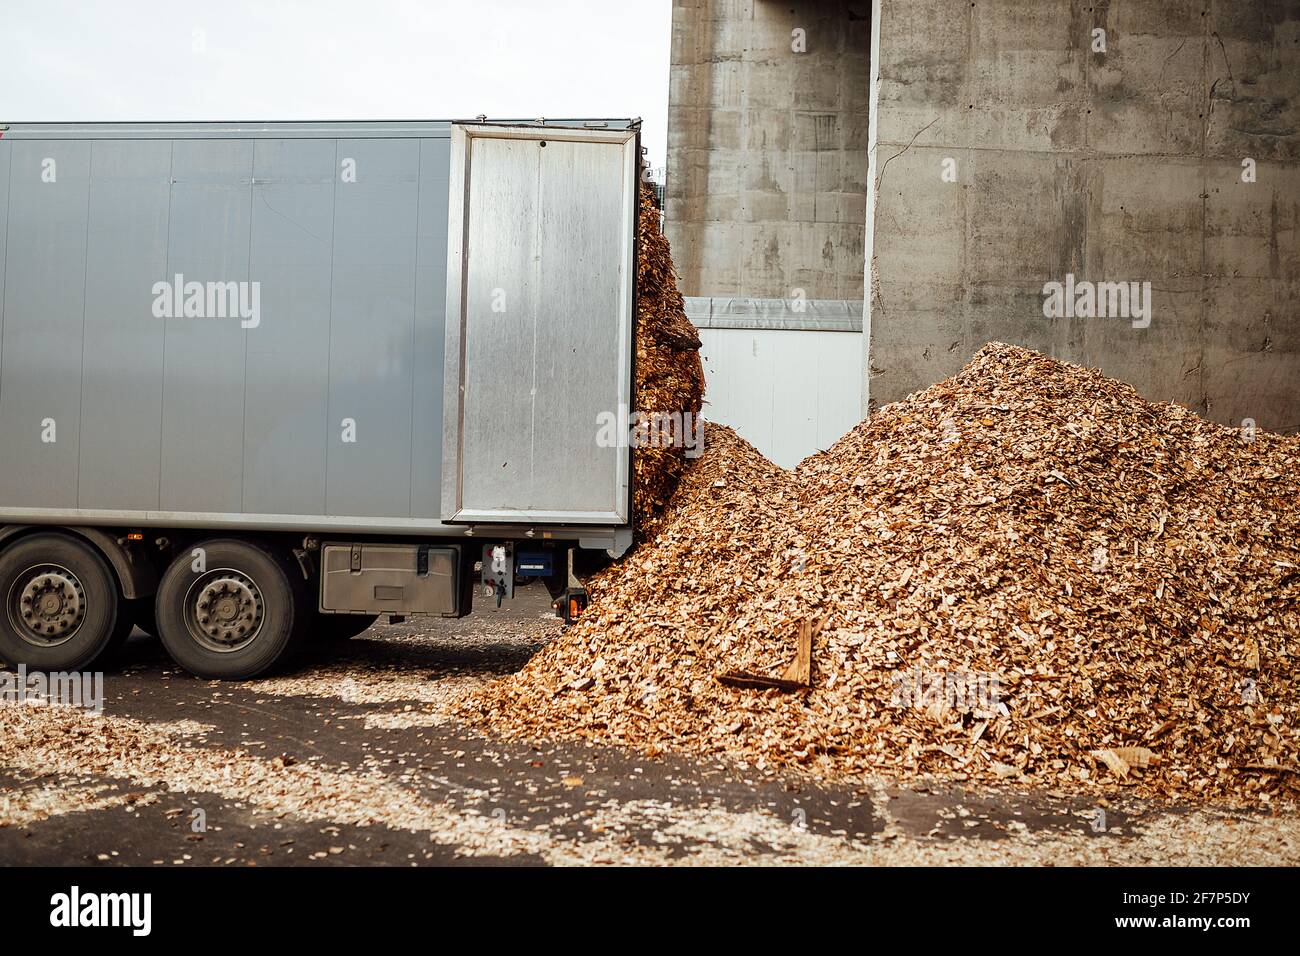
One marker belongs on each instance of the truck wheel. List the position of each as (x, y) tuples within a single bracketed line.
[(240, 616), (341, 627), (61, 608)]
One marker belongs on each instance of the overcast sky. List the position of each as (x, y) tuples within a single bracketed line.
[(335, 59)]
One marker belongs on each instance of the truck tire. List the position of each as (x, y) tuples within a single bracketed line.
[(61, 605), (341, 627), (242, 615)]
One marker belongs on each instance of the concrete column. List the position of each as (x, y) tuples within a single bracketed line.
[(1108, 141), (767, 147)]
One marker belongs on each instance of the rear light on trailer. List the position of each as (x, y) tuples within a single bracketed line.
[(575, 602)]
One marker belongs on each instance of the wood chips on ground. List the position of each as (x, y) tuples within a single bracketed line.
[(1107, 573)]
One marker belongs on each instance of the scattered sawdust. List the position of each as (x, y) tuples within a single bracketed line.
[(367, 685), (183, 728), (68, 742), (404, 720), (31, 804), (63, 740)]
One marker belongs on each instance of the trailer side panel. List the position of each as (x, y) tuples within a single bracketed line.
[(320, 409)]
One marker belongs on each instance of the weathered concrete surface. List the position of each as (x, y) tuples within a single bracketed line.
[(767, 147), (1125, 164)]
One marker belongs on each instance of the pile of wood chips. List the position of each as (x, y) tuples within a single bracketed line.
[(669, 376), (1024, 573)]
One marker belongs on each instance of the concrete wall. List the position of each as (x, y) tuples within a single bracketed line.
[(767, 147), (1118, 165)]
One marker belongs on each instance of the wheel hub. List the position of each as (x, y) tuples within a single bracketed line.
[(226, 611), (47, 605)]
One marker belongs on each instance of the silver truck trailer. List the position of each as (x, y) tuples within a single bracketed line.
[(263, 382)]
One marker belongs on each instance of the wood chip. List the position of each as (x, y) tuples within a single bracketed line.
[(959, 587)]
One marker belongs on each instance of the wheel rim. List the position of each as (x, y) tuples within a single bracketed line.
[(224, 610), (46, 605)]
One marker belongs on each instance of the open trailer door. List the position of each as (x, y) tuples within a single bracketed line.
[(541, 263)]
